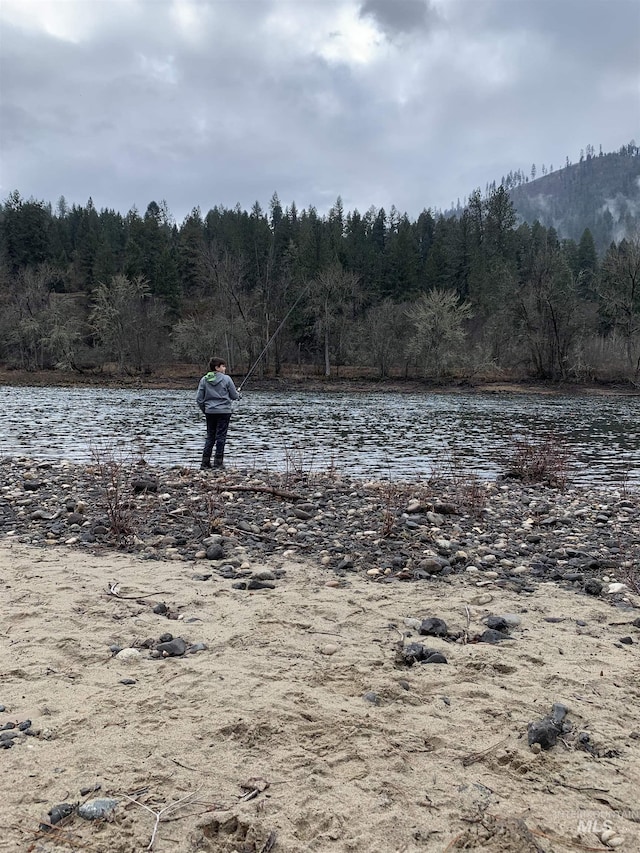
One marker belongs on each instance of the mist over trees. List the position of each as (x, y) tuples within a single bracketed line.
[(472, 293)]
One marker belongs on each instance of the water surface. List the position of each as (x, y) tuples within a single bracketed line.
[(395, 435)]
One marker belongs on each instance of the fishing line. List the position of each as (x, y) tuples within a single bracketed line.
[(268, 344)]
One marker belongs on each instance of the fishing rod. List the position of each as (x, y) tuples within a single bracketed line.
[(268, 344)]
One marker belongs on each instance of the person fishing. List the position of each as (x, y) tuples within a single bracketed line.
[(216, 392)]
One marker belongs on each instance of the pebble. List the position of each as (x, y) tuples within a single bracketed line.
[(329, 649), (433, 627), (564, 537), (58, 813), (491, 636), (545, 732), (417, 653), (97, 809), (172, 648), (129, 655)]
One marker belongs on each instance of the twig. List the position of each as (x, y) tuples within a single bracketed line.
[(269, 844), (113, 589), (585, 788), (214, 807), (158, 814), (186, 766), (250, 795), (472, 757), (465, 633)]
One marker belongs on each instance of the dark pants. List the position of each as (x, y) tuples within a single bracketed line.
[(217, 426)]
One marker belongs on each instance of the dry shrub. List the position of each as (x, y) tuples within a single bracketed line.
[(544, 460), (457, 484)]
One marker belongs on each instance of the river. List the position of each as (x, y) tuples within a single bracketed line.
[(380, 435)]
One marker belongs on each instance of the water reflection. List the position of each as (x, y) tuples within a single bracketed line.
[(370, 435)]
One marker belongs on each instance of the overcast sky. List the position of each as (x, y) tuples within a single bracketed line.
[(406, 102)]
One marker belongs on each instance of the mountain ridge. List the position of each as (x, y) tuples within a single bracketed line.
[(601, 193)]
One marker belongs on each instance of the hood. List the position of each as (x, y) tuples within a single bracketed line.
[(214, 377)]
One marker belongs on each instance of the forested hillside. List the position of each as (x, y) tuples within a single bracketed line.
[(600, 192), (471, 295)]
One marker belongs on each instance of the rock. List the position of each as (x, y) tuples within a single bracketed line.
[(256, 584), (197, 647), (372, 697), (593, 587), (433, 627), (558, 713), (302, 514), (129, 655), (611, 838), (497, 623), (263, 575), (329, 649), (491, 636), (626, 640), (215, 551), (160, 609), (434, 657), (173, 648), (90, 789), (144, 484), (412, 653), (432, 565), (544, 732), (417, 653), (97, 809), (58, 813)]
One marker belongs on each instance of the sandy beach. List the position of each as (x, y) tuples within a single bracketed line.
[(297, 728)]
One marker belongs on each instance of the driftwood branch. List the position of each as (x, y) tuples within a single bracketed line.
[(267, 490), (264, 537)]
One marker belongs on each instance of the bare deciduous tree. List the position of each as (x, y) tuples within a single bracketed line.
[(128, 321), (334, 294), (438, 318)]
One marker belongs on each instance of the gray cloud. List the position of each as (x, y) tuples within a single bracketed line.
[(399, 16), (405, 103)]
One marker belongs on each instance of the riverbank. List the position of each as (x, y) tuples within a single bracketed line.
[(292, 711), (186, 377)]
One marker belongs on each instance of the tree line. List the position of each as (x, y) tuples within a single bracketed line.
[(440, 296)]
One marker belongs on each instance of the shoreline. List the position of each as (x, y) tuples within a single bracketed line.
[(187, 377)]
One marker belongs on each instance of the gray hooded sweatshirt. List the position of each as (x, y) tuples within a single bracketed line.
[(215, 393)]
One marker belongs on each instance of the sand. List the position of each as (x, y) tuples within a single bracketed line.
[(275, 709)]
